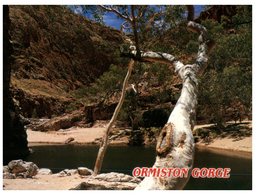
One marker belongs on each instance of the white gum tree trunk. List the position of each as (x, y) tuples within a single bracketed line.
[(175, 145)]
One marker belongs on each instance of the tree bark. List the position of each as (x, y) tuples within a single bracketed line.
[(104, 144), (175, 146)]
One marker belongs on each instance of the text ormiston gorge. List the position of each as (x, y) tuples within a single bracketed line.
[(181, 172)]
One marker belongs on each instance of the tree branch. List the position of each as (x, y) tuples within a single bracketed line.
[(151, 56), (123, 26), (134, 27), (201, 58), (141, 11), (111, 9)]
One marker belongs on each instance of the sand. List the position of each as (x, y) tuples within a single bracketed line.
[(80, 135), (43, 182), (243, 145)]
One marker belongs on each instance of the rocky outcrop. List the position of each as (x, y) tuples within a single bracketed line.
[(57, 51), (217, 12), (20, 169), (84, 118), (62, 122), (38, 106), (109, 181)]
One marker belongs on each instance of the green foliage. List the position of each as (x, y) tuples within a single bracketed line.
[(233, 49), (228, 80), (110, 82), (174, 15), (243, 17), (227, 83), (192, 46)]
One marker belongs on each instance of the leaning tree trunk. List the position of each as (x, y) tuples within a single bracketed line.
[(175, 145), (104, 143)]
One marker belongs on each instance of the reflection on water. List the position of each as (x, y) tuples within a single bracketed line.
[(124, 159)]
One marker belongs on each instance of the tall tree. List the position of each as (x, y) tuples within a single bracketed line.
[(175, 146), (131, 15)]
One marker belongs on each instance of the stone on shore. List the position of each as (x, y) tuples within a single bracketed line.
[(108, 181), (22, 169), (67, 172), (84, 171), (44, 171), (8, 176)]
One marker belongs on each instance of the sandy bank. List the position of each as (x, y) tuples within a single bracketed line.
[(80, 135), (243, 145), (92, 136), (232, 140)]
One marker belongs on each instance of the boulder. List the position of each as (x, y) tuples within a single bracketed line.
[(67, 172), (44, 171), (108, 181), (84, 171), (22, 168), (8, 176), (6, 169), (117, 177)]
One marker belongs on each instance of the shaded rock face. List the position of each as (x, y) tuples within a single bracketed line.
[(14, 135), (65, 48), (216, 12), (21, 169), (61, 122), (103, 112), (155, 117), (83, 117), (37, 106)]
